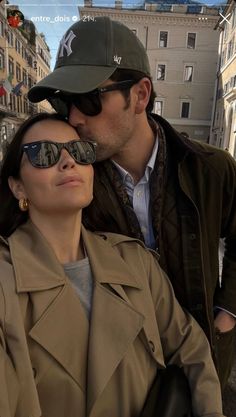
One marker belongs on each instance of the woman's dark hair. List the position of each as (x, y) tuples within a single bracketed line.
[(10, 214), (123, 74)]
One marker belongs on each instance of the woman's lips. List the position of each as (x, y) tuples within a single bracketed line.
[(71, 180)]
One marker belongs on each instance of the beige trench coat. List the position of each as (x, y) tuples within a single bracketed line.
[(53, 363)]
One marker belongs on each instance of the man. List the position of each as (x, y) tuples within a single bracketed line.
[(176, 195)]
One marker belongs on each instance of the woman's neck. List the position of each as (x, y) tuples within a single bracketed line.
[(63, 234)]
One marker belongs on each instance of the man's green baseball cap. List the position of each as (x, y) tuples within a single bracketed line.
[(88, 54)]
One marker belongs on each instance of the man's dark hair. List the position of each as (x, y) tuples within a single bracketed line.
[(10, 214), (123, 74)]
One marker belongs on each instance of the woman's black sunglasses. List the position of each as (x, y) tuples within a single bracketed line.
[(88, 103), (45, 153)]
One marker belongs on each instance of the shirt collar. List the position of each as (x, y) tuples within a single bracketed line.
[(149, 167)]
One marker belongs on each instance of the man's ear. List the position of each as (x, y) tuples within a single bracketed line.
[(16, 188), (143, 91)]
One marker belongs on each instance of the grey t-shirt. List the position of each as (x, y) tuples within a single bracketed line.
[(80, 275)]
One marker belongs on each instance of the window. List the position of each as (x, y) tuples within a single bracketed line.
[(188, 73), (25, 105), (185, 108), (226, 88), (230, 49), (12, 102), (17, 45), (19, 104), (18, 72), (158, 107), (234, 17), (2, 58), (191, 41), (30, 60), (161, 72), (234, 81), (23, 52), (1, 28), (11, 66), (225, 32), (10, 38), (222, 61), (3, 100), (163, 39), (30, 82), (24, 77)]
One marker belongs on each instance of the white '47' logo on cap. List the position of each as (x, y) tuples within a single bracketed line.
[(117, 59), (66, 44)]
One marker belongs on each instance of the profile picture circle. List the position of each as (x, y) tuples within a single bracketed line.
[(15, 18)]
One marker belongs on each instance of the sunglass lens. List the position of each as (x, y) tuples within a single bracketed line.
[(83, 152), (89, 104), (61, 106), (43, 154)]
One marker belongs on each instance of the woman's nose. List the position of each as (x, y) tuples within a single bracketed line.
[(66, 160)]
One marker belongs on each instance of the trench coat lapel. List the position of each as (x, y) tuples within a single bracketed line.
[(114, 322), (60, 322), (114, 327), (63, 332)]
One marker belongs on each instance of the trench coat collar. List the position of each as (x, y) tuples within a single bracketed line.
[(42, 270)]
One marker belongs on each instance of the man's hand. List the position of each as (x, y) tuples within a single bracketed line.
[(224, 321)]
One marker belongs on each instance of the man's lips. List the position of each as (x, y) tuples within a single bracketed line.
[(73, 180)]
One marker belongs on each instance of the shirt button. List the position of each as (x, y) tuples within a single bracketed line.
[(139, 194), (152, 346)]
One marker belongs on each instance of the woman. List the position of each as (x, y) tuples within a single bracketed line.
[(86, 320)]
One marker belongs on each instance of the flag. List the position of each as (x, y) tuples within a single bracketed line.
[(10, 77), (2, 91), (16, 89), (7, 86)]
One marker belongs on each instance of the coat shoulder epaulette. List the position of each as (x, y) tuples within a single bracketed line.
[(116, 238)]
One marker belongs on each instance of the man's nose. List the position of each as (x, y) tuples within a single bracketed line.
[(76, 117)]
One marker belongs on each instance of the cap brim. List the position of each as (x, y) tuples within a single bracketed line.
[(74, 79)]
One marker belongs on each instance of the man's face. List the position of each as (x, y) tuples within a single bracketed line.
[(113, 128)]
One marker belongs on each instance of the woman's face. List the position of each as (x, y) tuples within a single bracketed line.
[(63, 188)]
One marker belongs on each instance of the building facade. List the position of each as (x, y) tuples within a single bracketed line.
[(182, 47), (223, 131), (19, 63), (42, 66)]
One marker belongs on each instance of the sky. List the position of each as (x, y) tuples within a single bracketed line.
[(54, 17)]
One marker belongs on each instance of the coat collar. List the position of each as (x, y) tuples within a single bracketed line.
[(180, 145), (42, 270)]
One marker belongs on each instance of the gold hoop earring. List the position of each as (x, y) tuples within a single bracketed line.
[(23, 204)]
